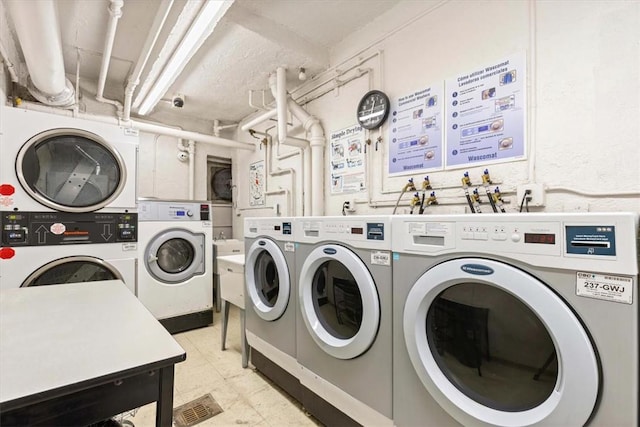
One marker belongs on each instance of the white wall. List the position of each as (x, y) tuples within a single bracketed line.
[(584, 86)]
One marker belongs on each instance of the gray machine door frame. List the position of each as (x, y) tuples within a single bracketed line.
[(82, 272), (366, 335), (153, 260), (575, 394), (265, 311)]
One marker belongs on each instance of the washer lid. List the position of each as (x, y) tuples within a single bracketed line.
[(73, 269), (267, 279), (175, 255), (475, 328), (70, 170), (339, 301)]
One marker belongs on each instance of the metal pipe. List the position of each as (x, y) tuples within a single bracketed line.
[(281, 102), (38, 31), (259, 119), (152, 38)]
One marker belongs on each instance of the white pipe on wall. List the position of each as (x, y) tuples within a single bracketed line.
[(317, 142), (115, 12), (192, 169), (148, 127), (259, 119), (150, 42), (281, 102), (10, 67), (38, 31)]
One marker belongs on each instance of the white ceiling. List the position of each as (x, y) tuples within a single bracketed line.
[(253, 38)]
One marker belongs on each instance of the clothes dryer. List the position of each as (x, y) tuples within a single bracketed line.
[(175, 278), (516, 320), (48, 248), (270, 299), (57, 163), (344, 339)]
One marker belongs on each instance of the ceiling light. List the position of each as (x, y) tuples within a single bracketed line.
[(200, 29)]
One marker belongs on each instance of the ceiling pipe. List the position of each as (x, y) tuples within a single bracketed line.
[(317, 142), (259, 119), (38, 31), (115, 12), (281, 102), (149, 44)]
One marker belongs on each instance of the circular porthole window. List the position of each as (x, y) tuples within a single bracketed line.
[(70, 170), (76, 269)]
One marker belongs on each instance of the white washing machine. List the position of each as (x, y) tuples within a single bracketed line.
[(270, 299), (516, 320), (344, 337), (175, 276), (46, 248), (52, 162)]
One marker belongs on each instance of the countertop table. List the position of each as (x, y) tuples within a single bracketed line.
[(79, 353)]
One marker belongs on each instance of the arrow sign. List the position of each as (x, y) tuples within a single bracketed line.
[(106, 232), (42, 234)]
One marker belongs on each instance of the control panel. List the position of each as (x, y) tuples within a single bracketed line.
[(365, 232), (149, 210), (274, 227), (62, 228)]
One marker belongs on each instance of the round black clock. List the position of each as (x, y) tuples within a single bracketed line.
[(373, 109)]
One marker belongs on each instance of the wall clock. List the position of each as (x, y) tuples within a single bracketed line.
[(373, 109)]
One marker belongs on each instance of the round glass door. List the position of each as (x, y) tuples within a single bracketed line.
[(339, 301), (175, 256), (70, 170), (72, 270), (488, 342), (267, 279)]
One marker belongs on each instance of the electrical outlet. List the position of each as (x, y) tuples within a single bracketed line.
[(350, 205), (536, 193)]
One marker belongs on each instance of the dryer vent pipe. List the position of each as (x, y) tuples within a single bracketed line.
[(38, 30)]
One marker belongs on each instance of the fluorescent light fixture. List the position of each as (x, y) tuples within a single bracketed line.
[(210, 14)]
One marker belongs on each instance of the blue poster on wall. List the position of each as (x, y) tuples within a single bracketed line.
[(415, 131), (486, 114)]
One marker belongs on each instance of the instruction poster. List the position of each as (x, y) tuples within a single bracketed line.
[(486, 113), (256, 184), (415, 132), (347, 160)]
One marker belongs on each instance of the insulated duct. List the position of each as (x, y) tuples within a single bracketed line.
[(38, 31)]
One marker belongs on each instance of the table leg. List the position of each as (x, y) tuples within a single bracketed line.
[(243, 339), (225, 323), (164, 405)]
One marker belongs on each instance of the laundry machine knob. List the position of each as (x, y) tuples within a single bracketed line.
[(515, 237), (189, 214)]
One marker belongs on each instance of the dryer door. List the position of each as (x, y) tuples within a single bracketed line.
[(175, 255), (495, 346), (70, 170), (267, 277), (339, 301), (73, 269)]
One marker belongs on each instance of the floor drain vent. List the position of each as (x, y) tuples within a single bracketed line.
[(196, 411)]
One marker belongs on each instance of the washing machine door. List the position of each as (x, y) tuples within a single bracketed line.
[(175, 255), (73, 269), (339, 301), (495, 346), (267, 279), (70, 170)]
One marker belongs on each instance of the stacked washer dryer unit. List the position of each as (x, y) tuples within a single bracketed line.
[(516, 320), (175, 276), (270, 299), (67, 196), (344, 325)]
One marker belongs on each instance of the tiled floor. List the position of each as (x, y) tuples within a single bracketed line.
[(246, 396)]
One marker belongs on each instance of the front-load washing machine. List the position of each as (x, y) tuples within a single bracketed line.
[(516, 320), (47, 248), (175, 276), (270, 299), (345, 292), (52, 162)]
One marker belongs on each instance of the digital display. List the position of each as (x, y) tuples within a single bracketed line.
[(545, 239), (180, 213), (357, 230)]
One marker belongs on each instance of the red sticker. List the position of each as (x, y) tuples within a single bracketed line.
[(7, 253), (7, 190)]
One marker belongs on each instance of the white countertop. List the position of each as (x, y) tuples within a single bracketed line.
[(59, 335), (232, 259)]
